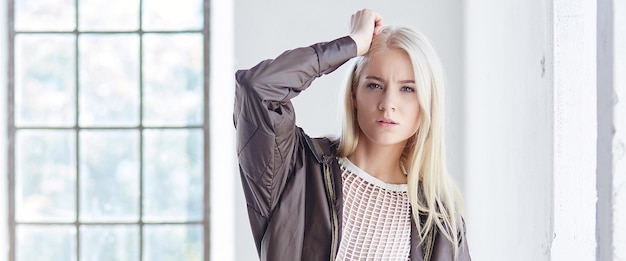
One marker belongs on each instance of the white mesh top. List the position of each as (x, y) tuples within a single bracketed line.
[(376, 217)]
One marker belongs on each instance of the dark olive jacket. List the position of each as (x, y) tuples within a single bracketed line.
[(292, 183)]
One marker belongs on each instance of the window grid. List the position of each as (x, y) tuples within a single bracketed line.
[(12, 129)]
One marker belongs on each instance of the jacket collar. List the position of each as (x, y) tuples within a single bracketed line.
[(323, 149)]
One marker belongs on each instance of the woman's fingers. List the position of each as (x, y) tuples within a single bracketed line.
[(364, 21), (378, 24), (364, 24)]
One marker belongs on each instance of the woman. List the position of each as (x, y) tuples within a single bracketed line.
[(379, 193)]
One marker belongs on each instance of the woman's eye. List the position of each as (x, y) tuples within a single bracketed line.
[(374, 86), (407, 89)]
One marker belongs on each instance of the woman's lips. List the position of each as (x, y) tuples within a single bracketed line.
[(386, 122)]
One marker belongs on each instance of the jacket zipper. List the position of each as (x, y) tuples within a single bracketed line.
[(333, 208)]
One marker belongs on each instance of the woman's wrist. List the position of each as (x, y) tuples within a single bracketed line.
[(361, 48)]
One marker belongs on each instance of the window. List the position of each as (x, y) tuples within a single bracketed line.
[(109, 142)]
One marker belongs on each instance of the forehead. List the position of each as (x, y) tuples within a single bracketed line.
[(390, 64)]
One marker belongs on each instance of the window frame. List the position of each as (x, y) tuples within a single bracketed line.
[(12, 129)]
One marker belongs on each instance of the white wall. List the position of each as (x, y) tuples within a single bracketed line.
[(606, 130), (263, 29), (611, 179), (531, 132), (509, 139), (4, 186), (575, 131), (619, 139), (223, 157)]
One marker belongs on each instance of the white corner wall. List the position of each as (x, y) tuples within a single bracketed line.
[(619, 136), (264, 29), (509, 138), (619, 140), (611, 179), (575, 131), (531, 132), (4, 179)]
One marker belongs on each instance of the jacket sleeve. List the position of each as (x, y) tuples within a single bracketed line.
[(264, 116)]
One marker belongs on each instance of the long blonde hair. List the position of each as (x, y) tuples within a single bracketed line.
[(431, 191)]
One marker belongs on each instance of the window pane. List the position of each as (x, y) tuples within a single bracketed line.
[(173, 242), (109, 80), (43, 243), (115, 242), (56, 15), (45, 169), (173, 79), (172, 15), (109, 175), (45, 80), (109, 15), (173, 180)]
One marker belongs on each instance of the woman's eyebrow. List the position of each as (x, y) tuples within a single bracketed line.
[(376, 78)]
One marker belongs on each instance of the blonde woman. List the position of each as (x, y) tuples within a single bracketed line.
[(380, 192)]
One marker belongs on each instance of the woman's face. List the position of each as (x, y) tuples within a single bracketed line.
[(385, 99)]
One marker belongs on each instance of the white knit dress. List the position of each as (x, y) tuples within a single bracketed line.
[(376, 217)]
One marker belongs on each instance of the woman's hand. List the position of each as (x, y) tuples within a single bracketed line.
[(364, 25)]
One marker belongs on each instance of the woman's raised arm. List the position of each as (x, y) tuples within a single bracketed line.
[(264, 116), (265, 120)]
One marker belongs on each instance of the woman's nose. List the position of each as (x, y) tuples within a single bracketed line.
[(388, 102)]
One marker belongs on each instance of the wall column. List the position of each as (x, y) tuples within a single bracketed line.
[(575, 134)]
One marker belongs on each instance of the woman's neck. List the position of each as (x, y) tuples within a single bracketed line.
[(380, 161)]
